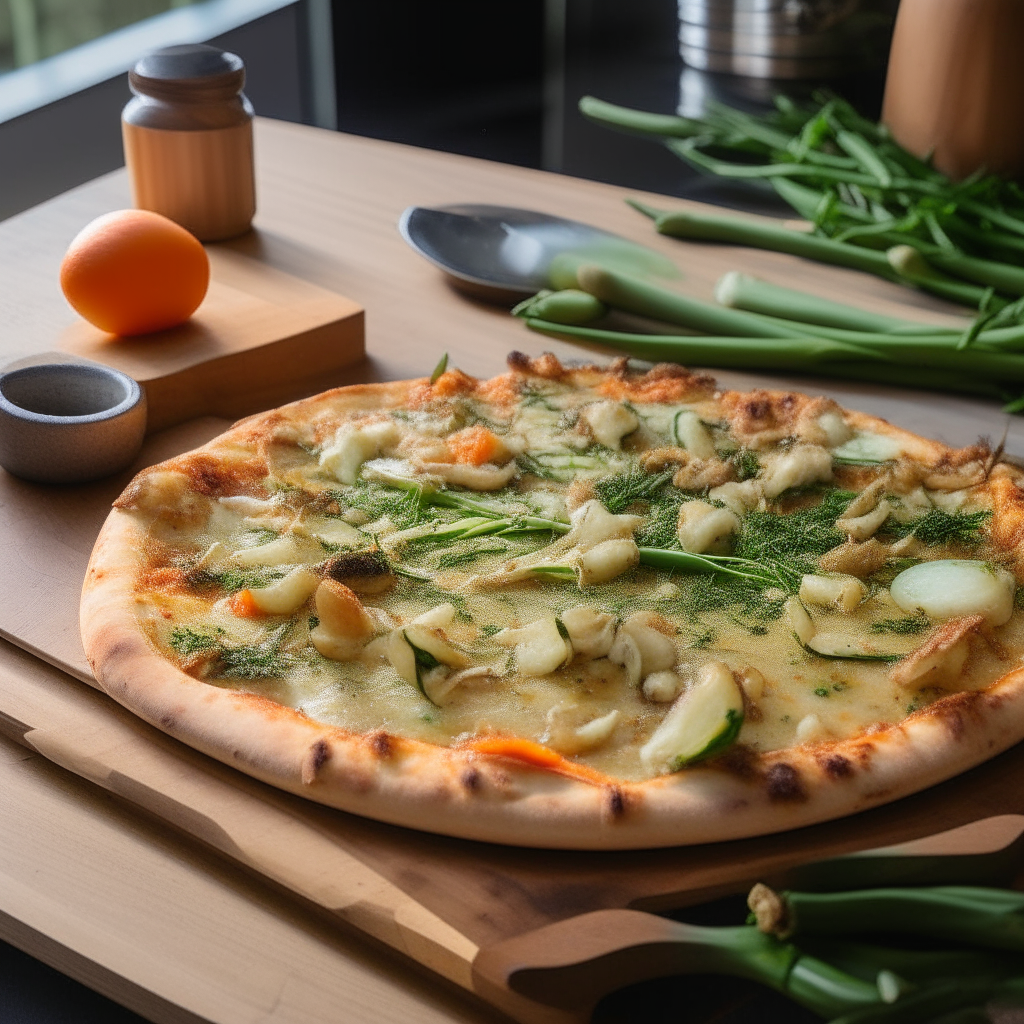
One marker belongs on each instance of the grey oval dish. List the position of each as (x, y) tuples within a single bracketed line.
[(69, 422)]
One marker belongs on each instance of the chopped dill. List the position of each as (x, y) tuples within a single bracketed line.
[(188, 641), (427, 590), (937, 526), (404, 508), (233, 579), (746, 463), (794, 538), (263, 660), (822, 691), (907, 626), (703, 639), (531, 396), (451, 560), (313, 621), (891, 570), (617, 493), (660, 528), (260, 535), (711, 592), (490, 630)]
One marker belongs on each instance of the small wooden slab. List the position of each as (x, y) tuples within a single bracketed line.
[(261, 337)]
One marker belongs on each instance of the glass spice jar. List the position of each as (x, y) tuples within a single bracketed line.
[(188, 140)]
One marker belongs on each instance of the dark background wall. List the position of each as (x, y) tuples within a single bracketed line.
[(463, 76)]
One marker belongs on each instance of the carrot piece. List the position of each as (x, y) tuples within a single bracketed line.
[(475, 445), (452, 383), (243, 604), (519, 750), (515, 748)]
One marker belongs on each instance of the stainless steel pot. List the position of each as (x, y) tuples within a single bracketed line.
[(782, 38)]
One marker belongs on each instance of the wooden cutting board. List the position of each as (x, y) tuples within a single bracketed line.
[(447, 903), (261, 337), (465, 910)]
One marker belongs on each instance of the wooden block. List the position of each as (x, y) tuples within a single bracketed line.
[(261, 337)]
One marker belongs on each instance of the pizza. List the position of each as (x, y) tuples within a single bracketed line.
[(587, 607)]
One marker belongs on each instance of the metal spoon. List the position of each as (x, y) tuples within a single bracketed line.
[(500, 253)]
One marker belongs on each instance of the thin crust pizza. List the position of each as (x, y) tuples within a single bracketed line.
[(586, 607)]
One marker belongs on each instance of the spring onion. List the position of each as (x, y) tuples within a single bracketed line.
[(855, 185), (741, 291), (990, 918), (567, 306)]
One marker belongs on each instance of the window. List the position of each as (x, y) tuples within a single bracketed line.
[(31, 30)]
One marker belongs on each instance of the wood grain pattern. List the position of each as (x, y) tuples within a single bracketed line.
[(179, 935), (328, 208), (260, 338)]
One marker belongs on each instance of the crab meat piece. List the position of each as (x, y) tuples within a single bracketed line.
[(607, 560), (704, 527), (287, 594), (609, 422), (842, 592), (865, 526), (282, 551), (803, 464), (800, 622), (740, 497), (477, 478), (811, 730), (539, 648), (345, 626), (941, 658), (568, 738), (856, 559), (591, 632), (657, 652), (353, 445), (662, 687)]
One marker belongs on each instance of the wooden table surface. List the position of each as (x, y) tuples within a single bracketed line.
[(71, 857)]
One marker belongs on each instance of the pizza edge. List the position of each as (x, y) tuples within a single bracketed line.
[(465, 793)]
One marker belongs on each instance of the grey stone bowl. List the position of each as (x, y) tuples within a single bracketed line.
[(69, 422)]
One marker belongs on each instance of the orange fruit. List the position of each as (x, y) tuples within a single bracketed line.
[(133, 272)]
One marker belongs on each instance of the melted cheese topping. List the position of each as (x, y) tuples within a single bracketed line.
[(459, 570)]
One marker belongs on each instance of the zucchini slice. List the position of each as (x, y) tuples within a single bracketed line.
[(703, 721)]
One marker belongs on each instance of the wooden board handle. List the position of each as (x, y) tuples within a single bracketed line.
[(215, 808), (570, 965)]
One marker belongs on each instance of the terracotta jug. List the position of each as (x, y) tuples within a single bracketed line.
[(955, 86)]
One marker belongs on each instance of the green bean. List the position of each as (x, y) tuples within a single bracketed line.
[(806, 355), (860, 149), (741, 291), (635, 296), (1003, 276), (922, 1007), (912, 267), (687, 149), (765, 235), (990, 918), (800, 353), (568, 306), (638, 121)]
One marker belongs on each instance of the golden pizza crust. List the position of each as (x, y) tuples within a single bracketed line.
[(473, 794)]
